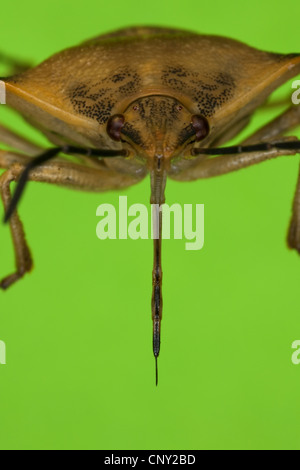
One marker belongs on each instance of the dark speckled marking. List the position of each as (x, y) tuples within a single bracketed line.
[(155, 112), (118, 77), (133, 134), (209, 95), (96, 100), (185, 135)]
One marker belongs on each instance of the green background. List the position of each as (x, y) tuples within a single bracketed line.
[(80, 370)]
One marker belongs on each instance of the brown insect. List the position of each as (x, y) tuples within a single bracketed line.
[(138, 101)]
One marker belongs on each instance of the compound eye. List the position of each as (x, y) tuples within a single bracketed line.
[(114, 126), (201, 126)]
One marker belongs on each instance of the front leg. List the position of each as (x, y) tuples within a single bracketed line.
[(216, 166), (293, 236), (285, 122), (22, 252), (59, 172), (208, 167), (205, 167), (17, 142)]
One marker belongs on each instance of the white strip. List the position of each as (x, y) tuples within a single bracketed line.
[(2, 353), (2, 92)]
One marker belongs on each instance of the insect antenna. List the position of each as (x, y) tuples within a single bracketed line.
[(290, 145), (46, 156), (158, 184)]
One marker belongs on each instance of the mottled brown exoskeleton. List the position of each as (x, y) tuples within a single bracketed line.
[(138, 101)]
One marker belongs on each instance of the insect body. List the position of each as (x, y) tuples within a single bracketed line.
[(138, 101)]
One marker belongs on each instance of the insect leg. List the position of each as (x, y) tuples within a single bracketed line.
[(7, 159), (45, 157), (277, 102), (286, 121), (293, 236), (61, 173), (22, 251), (72, 175), (17, 142), (227, 163)]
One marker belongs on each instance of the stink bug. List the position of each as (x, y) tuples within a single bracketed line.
[(144, 100)]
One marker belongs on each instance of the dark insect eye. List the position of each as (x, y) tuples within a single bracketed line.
[(115, 125), (201, 126)]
